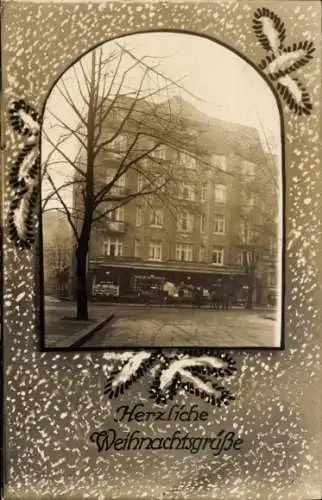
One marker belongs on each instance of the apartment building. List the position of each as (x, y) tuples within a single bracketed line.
[(212, 209)]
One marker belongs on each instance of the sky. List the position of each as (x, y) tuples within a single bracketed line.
[(225, 86)]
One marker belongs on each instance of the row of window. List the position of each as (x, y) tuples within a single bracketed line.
[(120, 145), (186, 191), (185, 222), (184, 252)]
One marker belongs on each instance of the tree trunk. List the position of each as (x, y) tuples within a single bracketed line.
[(81, 285), (250, 291)]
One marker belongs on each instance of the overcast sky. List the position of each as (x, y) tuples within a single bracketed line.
[(225, 85)]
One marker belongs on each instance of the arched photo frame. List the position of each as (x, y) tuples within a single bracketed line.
[(234, 292)]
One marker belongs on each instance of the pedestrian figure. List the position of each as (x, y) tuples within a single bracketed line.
[(215, 298), (225, 301), (198, 296), (270, 302), (169, 290)]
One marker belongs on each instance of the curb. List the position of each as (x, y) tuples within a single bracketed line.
[(269, 317), (87, 336), (158, 306), (79, 338)]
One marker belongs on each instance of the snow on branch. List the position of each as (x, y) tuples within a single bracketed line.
[(181, 365), (172, 371)]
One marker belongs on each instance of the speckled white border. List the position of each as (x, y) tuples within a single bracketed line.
[(55, 400)]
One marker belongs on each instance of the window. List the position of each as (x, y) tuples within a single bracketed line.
[(116, 215), (190, 162), (160, 153), (184, 252), (137, 248), (185, 222), (218, 256), (187, 160), (117, 146), (245, 232), (121, 180), (202, 223), (109, 176), (111, 173), (118, 185), (186, 192), (219, 224), (113, 248), (202, 254), (204, 190), (141, 182), (220, 193), (156, 217), (271, 279), (248, 168), (155, 251), (219, 161), (272, 244), (244, 257), (250, 199), (160, 183), (138, 221)]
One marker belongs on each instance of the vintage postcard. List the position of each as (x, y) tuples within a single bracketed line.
[(162, 198), (161, 249)]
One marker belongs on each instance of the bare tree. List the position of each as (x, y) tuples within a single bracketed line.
[(124, 128), (57, 261), (256, 218)]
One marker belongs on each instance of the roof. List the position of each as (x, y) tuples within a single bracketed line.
[(215, 136), (220, 137)]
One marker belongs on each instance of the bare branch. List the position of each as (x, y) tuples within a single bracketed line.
[(123, 121), (70, 102), (51, 195), (65, 207), (63, 154), (74, 132), (162, 75), (80, 90)]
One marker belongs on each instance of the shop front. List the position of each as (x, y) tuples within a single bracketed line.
[(134, 282)]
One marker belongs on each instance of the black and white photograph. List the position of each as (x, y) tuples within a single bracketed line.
[(162, 199)]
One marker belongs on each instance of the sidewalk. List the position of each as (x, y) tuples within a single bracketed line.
[(53, 302), (193, 327), (269, 315), (177, 306), (65, 333), (141, 322)]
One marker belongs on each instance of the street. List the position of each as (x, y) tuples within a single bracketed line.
[(170, 327), (151, 326)]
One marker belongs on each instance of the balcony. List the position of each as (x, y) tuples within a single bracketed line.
[(117, 191), (116, 226)]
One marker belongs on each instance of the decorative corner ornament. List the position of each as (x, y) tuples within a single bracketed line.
[(282, 61), (196, 374), (24, 174)]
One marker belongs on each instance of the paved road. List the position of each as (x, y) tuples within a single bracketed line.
[(150, 326)]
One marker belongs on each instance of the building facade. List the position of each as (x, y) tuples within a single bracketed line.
[(211, 216)]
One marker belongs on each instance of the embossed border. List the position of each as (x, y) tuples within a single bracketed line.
[(288, 357)]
